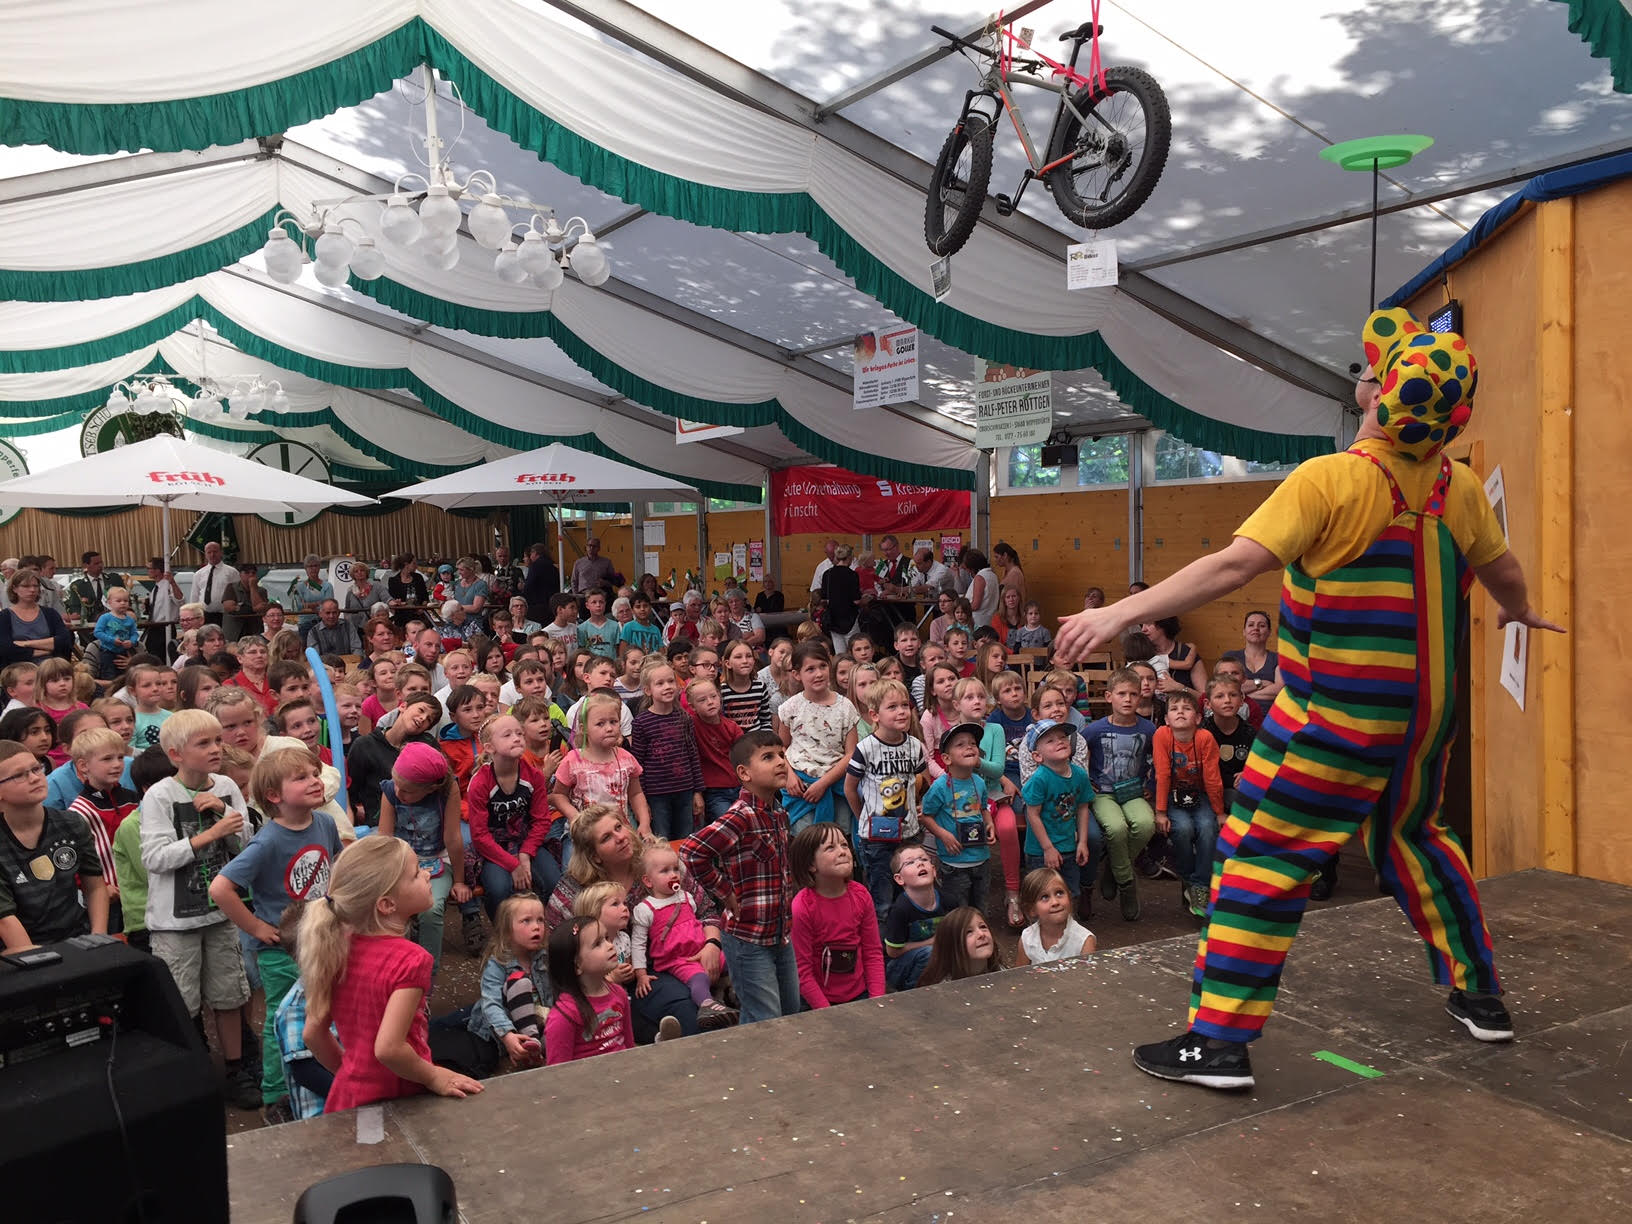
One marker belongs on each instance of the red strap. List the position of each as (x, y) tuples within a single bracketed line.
[(1096, 73)]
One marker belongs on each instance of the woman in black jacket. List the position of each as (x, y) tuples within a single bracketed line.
[(30, 631), (841, 588)]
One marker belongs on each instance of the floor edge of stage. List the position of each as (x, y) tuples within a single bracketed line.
[(1012, 1096)]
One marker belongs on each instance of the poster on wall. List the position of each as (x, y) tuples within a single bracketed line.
[(951, 546), (701, 431), (722, 567), (651, 561), (831, 499), (739, 561), (756, 560), (656, 533), (1014, 406), (886, 367)]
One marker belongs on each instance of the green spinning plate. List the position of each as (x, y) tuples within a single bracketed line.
[(1385, 152)]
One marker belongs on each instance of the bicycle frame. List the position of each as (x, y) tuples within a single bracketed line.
[(997, 85)]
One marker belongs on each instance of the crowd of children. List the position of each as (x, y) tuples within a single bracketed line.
[(798, 830)]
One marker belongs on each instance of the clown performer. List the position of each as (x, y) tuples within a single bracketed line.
[(1377, 545)]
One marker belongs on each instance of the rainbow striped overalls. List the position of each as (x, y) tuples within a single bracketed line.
[(1359, 733)]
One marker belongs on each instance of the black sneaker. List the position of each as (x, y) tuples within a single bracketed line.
[(1188, 1060), (1129, 894), (1325, 883), (277, 1112), (242, 1088), (475, 943), (1482, 1015)]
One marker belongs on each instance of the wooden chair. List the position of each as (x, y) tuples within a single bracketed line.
[(1026, 661), (1095, 670)]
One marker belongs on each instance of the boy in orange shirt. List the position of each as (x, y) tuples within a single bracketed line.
[(1189, 796)]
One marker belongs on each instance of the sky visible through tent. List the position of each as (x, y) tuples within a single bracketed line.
[(1256, 92)]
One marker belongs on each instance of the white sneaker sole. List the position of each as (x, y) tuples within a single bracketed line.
[(1227, 1083), (1480, 1034)]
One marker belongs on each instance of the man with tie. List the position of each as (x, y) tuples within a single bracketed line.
[(211, 581), (87, 594)]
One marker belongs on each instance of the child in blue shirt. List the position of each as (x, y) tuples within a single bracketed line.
[(957, 821), (1057, 798), (1119, 765), (115, 633)]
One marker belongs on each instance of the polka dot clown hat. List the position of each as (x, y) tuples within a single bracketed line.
[(1427, 378)]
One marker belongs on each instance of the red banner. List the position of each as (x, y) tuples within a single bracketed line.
[(806, 500)]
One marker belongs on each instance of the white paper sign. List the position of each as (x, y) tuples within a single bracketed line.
[(1496, 490), (886, 367), (652, 561), (700, 431), (1515, 655), (656, 532), (1091, 265), (1013, 406), (940, 277), (739, 558)]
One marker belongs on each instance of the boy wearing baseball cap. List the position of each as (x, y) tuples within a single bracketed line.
[(1058, 799), (957, 820)]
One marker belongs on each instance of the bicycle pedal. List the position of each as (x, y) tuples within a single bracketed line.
[(1004, 205)]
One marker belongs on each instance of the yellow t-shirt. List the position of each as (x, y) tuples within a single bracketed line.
[(1331, 509)]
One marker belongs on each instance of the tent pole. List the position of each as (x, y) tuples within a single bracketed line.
[(1371, 302), (560, 546)]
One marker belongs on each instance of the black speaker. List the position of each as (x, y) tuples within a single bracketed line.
[(382, 1194), (1064, 455), (110, 1106)]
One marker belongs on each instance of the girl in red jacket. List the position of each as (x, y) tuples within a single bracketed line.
[(507, 806)]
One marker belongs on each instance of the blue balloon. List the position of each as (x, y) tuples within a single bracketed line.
[(331, 712)]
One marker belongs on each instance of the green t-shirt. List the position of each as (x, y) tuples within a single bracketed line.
[(128, 869)]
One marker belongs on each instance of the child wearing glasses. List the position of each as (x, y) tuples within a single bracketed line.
[(44, 849)]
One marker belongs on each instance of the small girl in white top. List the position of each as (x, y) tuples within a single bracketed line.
[(666, 935), (1054, 935)]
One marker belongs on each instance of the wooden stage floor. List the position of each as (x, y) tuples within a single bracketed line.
[(1012, 1097)]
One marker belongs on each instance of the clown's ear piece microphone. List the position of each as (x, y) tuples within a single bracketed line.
[(1355, 367)]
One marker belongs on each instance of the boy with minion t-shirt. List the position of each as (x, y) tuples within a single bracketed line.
[(1379, 546)]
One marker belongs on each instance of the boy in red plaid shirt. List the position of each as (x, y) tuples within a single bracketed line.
[(742, 858)]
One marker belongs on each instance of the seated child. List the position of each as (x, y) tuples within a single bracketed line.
[(515, 987), (835, 931), (909, 929), (666, 935), (419, 803), (42, 851), (1189, 796), (1054, 934), (1033, 634), (1119, 767), (100, 764), (1233, 734), (963, 947), (591, 1015)]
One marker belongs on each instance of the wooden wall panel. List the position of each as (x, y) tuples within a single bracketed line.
[(1497, 287), (1183, 522), (129, 537), (1067, 542), (1602, 638)]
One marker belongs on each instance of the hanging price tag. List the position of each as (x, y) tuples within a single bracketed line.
[(940, 277), (1091, 265)]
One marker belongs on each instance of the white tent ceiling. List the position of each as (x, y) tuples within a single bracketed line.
[(1256, 93)]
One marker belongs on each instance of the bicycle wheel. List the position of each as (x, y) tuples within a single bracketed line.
[(1117, 155), (957, 188)]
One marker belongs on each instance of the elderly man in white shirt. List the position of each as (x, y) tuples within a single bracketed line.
[(211, 581), (927, 573)]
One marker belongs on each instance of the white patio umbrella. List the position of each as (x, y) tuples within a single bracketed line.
[(555, 474), (168, 471)]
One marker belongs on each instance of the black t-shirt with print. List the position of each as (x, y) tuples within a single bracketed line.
[(1234, 748), (37, 884)]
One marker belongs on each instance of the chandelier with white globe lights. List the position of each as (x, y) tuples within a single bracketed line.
[(544, 252), (240, 399)]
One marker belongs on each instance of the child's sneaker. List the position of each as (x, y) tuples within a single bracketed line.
[(1129, 895), (277, 1112), (715, 1015), (242, 1087), (475, 943), (1482, 1015), (1190, 1060), (1195, 897), (668, 1029)]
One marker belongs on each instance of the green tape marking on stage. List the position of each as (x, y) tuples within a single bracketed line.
[(1348, 1064)]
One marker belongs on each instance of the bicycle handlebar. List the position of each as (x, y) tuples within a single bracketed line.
[(959, 42)]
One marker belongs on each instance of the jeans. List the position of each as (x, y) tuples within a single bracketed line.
[(430, 922), (671, 814), (1192, 836), (497, 883), (767, 979), (965, 885), (252, 968), (669, 996), (903, 972), (559, 832), (1127, 828), (1070, 871), (716, 799), (875, 859)]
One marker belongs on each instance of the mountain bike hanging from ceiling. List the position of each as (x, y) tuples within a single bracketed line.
[(1104, 154)]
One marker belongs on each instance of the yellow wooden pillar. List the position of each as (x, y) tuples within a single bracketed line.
[(1553, 587)]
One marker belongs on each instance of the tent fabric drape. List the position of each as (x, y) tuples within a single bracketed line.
[(629, 128)]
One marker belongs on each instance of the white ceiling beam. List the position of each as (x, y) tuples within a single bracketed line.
[(696, 60)]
